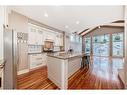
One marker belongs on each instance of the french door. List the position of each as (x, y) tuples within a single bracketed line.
[(88, 45), (117, 44), (101, 45)]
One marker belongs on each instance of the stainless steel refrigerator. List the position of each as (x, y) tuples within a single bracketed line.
[(12, 42)]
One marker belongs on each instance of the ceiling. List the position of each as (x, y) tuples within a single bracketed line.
[(72, 18)]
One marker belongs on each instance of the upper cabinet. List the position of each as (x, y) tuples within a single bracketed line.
[(37, 35), (31, 35), (59, 39)]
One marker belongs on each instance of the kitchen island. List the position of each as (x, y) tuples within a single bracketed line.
[(61, 66)]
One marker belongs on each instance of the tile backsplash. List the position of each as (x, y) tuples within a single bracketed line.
[(34, 48)]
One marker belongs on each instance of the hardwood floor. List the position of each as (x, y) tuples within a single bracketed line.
[(102, 74), (36, 79)]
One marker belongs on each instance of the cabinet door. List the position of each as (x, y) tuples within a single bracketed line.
[(44, 58), (39, 37), (56, 40), (31, 35), (61, 39), (49, 35)]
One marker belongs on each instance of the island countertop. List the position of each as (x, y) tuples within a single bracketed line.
[(65, 56)]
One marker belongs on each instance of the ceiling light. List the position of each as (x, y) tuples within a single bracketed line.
[(66, 26), (45, 14), (77, 22)]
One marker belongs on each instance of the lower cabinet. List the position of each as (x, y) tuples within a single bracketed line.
[(37, 60), (73, 66)]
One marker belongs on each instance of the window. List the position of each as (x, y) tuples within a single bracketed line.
[(76, 42), (101, 45), (87, 45), (117, 44)]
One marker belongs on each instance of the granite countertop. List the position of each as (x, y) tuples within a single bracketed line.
[(2, 62), (66, 55)]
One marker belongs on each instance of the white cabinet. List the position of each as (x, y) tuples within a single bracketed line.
[(31, 35), (37, 60), (39, 37), (50, 35), (59, 39), (44, 58), (35, 35)]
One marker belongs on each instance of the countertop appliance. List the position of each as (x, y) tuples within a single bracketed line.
[(15, 53)]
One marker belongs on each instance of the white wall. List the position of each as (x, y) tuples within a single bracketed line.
[(1, 31)]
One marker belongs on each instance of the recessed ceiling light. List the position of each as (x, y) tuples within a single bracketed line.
[(45, 14), (77, 22), (66, 26)]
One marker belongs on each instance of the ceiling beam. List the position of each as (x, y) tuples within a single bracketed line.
[(117, 25)]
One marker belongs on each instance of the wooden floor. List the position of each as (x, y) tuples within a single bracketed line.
[(102, 74)]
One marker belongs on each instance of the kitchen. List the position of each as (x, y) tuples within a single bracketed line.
[(34, 45), (42, 55)]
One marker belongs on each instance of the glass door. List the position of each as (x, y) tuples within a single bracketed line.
[(117, 44), (88, 45), (101, 45)]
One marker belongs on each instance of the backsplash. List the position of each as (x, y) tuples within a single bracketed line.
[(35, 48)]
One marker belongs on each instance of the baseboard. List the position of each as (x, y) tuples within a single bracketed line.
[(23, 71)]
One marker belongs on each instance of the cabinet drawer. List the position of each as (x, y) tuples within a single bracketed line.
[(35, 58), (36, 55)]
